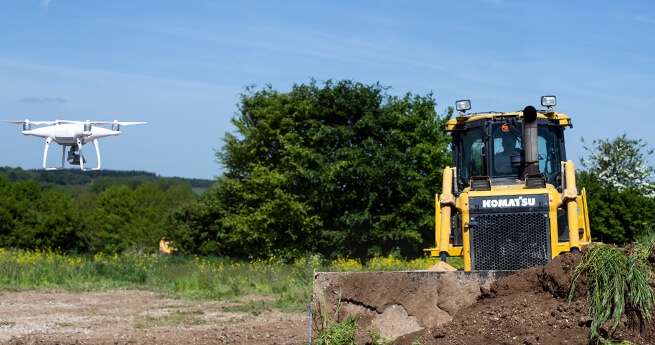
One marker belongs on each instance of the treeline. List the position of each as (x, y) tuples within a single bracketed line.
[(68, 177), (335, 169), (111, 215)]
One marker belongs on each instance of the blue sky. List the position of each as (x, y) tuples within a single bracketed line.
[(181, 65)]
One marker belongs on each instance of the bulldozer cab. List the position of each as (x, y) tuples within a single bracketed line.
[(493, 146)]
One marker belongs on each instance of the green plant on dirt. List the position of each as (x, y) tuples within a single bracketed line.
[(647, 233), (331, 332), (377, 338), (615, 281)]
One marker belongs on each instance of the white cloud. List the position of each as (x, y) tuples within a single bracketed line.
[(45, 3), (35, 100), (645, 20)]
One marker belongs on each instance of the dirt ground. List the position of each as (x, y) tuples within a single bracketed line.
[(528, 307), (139, 317)]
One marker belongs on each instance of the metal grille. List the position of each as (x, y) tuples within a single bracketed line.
[(505, 241)]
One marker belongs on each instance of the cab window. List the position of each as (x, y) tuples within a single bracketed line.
[(506, 143), (472, 163), (549, 154)]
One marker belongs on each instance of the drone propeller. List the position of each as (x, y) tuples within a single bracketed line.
[(116, 122), (88, 122), (27, 124), (26, 121), (116, 125)]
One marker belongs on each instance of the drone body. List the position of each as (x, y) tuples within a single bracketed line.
[(73, 134)]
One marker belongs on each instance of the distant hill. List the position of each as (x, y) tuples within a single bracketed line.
[(70, 177)]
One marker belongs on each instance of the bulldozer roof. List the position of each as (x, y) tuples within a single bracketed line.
[(452, 124)]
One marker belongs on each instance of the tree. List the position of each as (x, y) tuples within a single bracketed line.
[(616, 217), (620, 197), (195, 225), (133, 219), (115, 210), (85, 205), (152, 203), (128, 214), (341, 169), (58, 225), (620, 163), (34, 218)]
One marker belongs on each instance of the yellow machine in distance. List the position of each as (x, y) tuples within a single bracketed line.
[(168, 247), (510, 200)]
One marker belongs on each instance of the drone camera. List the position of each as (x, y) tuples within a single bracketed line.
[(74, 156)]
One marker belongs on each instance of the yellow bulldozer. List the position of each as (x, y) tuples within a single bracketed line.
[(168, 247), (510, 200)]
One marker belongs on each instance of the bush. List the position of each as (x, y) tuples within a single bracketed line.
[(616, 217)]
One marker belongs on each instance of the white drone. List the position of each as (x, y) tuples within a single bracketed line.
[(74, 134)]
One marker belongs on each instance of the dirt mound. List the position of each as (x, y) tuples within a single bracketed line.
[(531, 307)]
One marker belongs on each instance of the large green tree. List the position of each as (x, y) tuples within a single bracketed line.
[(339, 168), (620, 195)]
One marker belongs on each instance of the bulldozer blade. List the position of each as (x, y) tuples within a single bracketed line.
[(397, 303)]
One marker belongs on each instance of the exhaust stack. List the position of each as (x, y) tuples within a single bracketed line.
[(530, 135)]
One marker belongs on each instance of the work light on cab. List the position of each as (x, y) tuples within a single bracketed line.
[(463, 105), (548, 101)]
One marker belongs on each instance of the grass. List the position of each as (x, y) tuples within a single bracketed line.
[(331, 332), (617, 279), (191, 277), (64, 324)]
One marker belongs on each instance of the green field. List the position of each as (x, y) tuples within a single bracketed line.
[(192, 277)]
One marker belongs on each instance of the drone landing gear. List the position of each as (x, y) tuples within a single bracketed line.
[(48, 141), (75, 156), (82, 161)]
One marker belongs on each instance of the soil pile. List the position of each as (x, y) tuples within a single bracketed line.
[(531, 307)]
